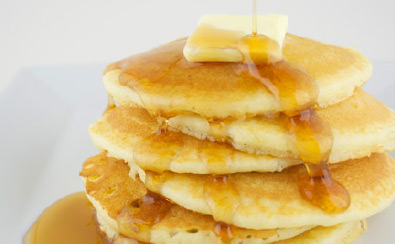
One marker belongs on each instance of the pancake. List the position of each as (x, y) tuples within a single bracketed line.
[(340, 234), (272, 200), (360, 125), (132, 135), (112, 193), (164, 83), (344, 233)]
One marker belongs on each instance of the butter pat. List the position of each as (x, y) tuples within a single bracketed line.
[(216, 39)]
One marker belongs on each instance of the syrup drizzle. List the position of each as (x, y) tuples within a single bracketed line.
[(313, 140), (224, 231), (292, 87), (141, 214), (254, 19), (110, 103), (295, 90), (223, 205), (311, 136), (72, 219)]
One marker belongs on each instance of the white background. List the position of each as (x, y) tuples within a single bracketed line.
[(52, 54), (48, 32)]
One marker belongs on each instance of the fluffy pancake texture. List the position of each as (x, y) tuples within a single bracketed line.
[(111, 190), (163, 82), (344, 233), (272, 200), (132, 135), (195, 145), (361, 125)]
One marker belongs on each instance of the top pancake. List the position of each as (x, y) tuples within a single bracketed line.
[(164, 83)]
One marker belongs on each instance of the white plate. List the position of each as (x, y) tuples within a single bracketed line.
[(44, 117)]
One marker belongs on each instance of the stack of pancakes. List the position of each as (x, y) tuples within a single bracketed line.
[(194, 153)]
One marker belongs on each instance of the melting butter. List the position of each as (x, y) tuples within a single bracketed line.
[(217, 37)]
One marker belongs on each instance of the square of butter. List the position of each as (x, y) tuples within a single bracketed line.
[(216, 37)]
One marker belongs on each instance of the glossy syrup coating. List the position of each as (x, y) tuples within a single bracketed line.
[(138, 212), (224, 231), (311, 136), (294, 89), (166, 84), (313, 139), (141, 214), (273, 200), (71, 219)]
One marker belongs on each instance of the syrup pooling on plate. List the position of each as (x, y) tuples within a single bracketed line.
[(69, 220)]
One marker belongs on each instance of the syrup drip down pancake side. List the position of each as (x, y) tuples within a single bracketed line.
[(279, 146), (360, 125), (295, 91), (272, 200), (126, 208), (131, 134)]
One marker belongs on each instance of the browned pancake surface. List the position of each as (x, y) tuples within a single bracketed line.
[(166, 83), (108, 182)]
